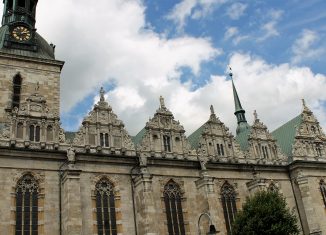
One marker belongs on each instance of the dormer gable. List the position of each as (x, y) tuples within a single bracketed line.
[(163, 136), (101, 130), (261, 144), (214, 140)]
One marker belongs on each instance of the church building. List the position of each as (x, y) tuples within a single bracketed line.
[(100, 180)]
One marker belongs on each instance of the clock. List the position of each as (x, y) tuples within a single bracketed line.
[(21, 34)]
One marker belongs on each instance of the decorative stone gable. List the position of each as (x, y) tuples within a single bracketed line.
[(164, 136), (102, 131), (262, 145), (216, 142), (32, 125), (310, 140)]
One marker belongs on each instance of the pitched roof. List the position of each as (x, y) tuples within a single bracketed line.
[(195, 137), (137, 139), (285, 134)]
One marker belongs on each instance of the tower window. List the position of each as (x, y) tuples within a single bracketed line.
[(21, 3), (323, 190), (229, 205), (17, 84), (173, 208), (167, 143), (9, 4), (105, 208), (104, 139), (27, 206), (34, 133)]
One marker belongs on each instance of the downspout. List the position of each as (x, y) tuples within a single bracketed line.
[(133, 198), (60, 192)]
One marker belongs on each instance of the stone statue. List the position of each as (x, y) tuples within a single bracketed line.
[(162, 104), (62, 137), (212, 109), (71, 155), (202, 160), (102, 92)]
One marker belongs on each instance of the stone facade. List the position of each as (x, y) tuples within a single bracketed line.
[(67, 167)]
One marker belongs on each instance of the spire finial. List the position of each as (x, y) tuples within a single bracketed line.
[(212, 110), (230, 72), (255, 115), (102, 92), (162, 104)]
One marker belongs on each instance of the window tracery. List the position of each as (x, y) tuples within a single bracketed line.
[(27, 206), (173, 208), (105, 208), (167, 143), (228, 198)]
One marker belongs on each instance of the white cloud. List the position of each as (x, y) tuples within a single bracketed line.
[(236, 10), (304, 47), (232, 33), (270, 28), (195, 9)]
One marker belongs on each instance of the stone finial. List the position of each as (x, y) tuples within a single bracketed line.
[(102, 92), (212, 109), (255, 115), (162, 104)]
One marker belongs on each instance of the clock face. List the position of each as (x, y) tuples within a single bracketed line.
[(21, 33)]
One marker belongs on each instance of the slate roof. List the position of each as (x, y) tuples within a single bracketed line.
[(195, 137), (285, 135), (70, 136), (137, 139), (45, 51)]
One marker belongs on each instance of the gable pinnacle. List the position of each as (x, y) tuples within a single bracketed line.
[(255, 115), (102, 92), (212, 110), (162, 104)]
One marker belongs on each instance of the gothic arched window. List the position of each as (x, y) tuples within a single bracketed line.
[(27, 206), (17, 84), (220, 149), (173, 208), (228, 198), (104, 139), (105, 208), (322, 186), (20, 130), (49, 133)]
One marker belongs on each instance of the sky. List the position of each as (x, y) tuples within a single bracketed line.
[(181, 49)]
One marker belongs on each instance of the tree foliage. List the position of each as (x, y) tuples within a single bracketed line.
[(266, 213)]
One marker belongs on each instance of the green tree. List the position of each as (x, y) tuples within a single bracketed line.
[(266, 213)]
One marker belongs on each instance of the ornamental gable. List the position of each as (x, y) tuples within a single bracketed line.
[(310, 140), (102, 131), (163, 136), (262, 145), (215, 141), (32, 125)]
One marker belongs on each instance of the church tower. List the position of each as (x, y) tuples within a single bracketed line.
[(27, 61)]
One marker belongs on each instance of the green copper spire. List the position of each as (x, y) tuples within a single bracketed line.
[(239, 111)]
